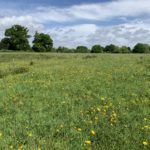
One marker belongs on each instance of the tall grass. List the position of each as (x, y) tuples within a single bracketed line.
[(74, 101)]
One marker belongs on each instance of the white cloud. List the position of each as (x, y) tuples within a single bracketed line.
[(87, 33), (125, 34), (90, 34), (44, 14), (72, 36), (26, 21), (98, 11)]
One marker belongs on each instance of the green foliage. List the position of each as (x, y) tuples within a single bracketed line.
[(16, 38), (5, 44), (13, 71), (97, 49), (64, 50), (42, 42), (2, 74), (20, 70), (81, 49), (141, 48), (111, 49), (37, 47), (124, 49)]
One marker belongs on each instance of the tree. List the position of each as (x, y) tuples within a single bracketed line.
[(42, 42), (64, 50), (97, 49), (82, 49), (5, 44), (141, 48), (16, 38), (124, 49), (111, 49)]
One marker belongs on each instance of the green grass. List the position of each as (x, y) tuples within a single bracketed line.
[(74, 101)]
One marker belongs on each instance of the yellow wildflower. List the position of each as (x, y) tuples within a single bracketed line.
[(94, 110), (113, 117), (114, 114), (30, 134), (93, 132), (11, 147), (88, 142), (98, 109), (61, 125), (145, 143), (102, 98), (145, 119), (20, 147), (79, 129), (39, 148), (96, 118), (91, 122), (146, 127)]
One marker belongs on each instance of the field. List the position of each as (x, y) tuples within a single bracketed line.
[(74, 101)]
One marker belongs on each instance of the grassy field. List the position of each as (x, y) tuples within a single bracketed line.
[(74, 101)]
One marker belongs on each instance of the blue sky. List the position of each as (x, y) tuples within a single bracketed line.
[(60, 3), (78, 22)]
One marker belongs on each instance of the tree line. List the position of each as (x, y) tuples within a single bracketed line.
[(16, 38)]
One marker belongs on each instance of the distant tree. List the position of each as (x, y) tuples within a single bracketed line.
[(141, 48), (111, 49), (130, 50), (54, 50), (42, 42), (97, 49), (64, 50), (16, 38), (124, 49), (82, 49)]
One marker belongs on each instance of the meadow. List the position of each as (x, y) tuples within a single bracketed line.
[(74, 101)]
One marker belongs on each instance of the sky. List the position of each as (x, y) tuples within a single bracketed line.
[(72, 23)]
